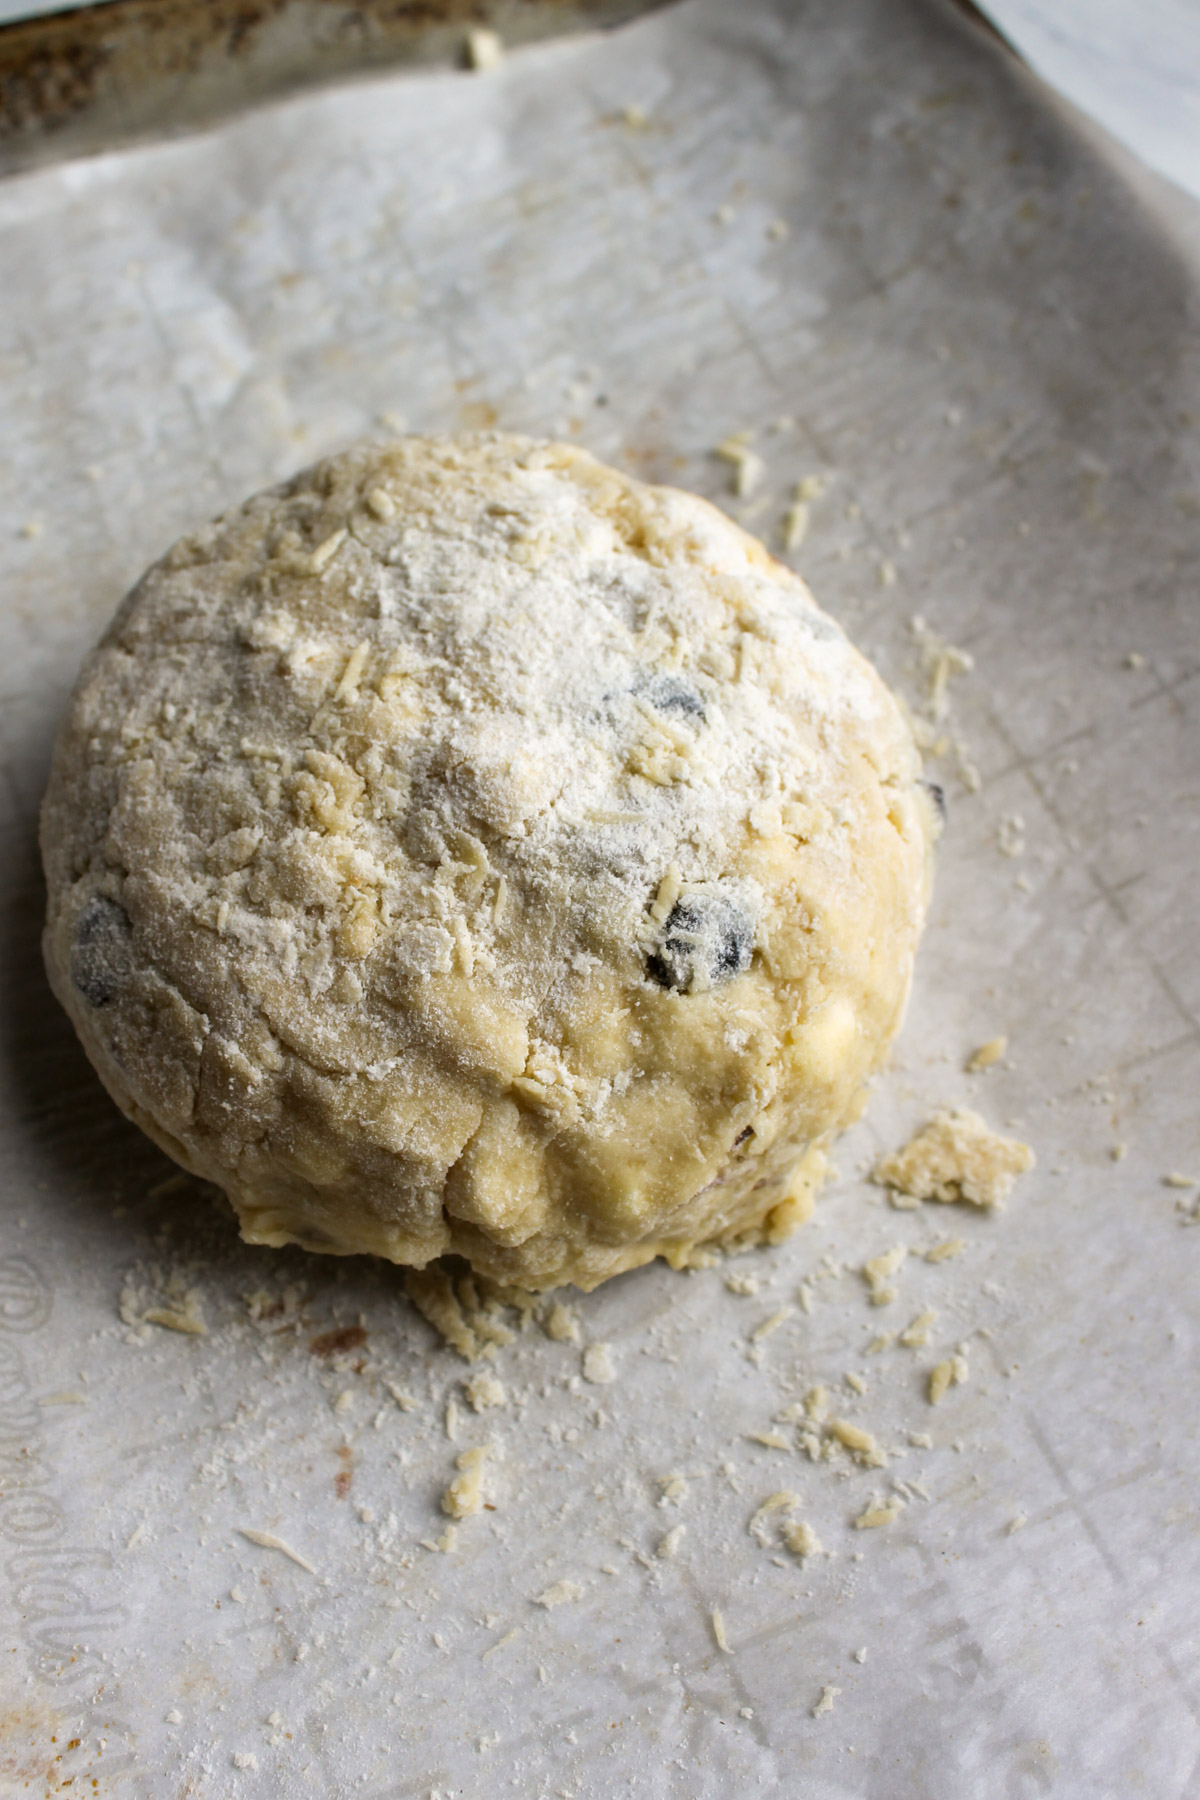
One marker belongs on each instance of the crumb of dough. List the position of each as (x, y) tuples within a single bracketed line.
[(561, 1593), (1119, 1152), (860, 1656), (986, 1055), (562, 1324), (816, 1403), (432, 1293), (916, 1335), (772, 1324), (718, 1631), (878, 1273), (404, 1400), (187, 1319), (1010, 835), (245, 1759), (800, 1538), (861, 1444), (950, 1372), (946, 1249), (501, 1643), (774, 1503), (956, 1157), (795, 525), (770, 1440), (857, 1383), (598, 1366), (668, 1545), (465, 1495), (748, 466), (824, 1705), (1017, 1523), (484, 49), (884, 1341), (777, 230), (744, 1284), (266, 1540), (1173, 1180), (877, 1515), (672, 1489), (484, 1390)]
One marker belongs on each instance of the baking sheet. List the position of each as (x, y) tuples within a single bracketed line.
[(860, 231)]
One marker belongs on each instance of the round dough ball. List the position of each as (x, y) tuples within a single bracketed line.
[(466, 848)]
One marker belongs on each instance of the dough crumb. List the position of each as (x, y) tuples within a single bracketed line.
[(920, 1440), (855, 1382), (1017, 1523), (560, 1594), (484, 1390), (877, 1515), (187, 1319), (718, 1630), (946, 1249), (878, 1273), (464, 1497), (816, 1403), (945, 1375), (795, 525), (668, 1545), (598, 1366), (484, 49), (745, 1285), (770, 1440), (860, 1656), (561, 1324), (986, 1055), (800, 1538), (673, 1489), (266, 1540), (432, 1293), (956, 1157), (825, 1704), (245, 1759), (770, 1325), (748, 467), (860, 1443), (1173, 1180), (916, 1335)]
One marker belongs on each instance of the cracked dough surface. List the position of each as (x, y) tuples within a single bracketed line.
[(466, 848)]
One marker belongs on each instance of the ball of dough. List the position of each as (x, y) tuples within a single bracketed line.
[(467, 848)]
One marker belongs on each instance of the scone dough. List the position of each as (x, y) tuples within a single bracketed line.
[(466, 848)]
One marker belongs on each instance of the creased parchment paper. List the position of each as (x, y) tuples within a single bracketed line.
[(858, 232)]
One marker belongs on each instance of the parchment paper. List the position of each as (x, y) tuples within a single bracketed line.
[(858, 230)]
